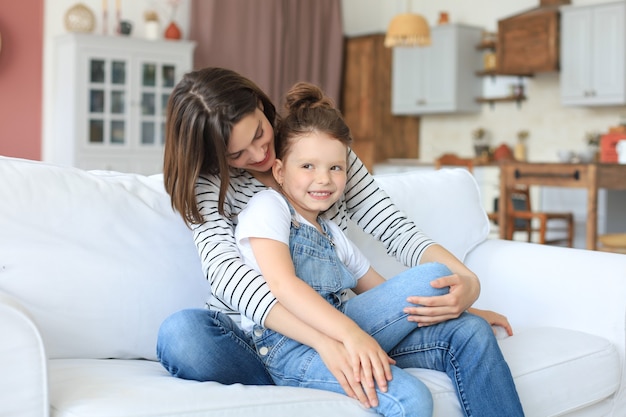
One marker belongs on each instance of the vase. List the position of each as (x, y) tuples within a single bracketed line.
[(152, 29), (172, 31), (79, 18)]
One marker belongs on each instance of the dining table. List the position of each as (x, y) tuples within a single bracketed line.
[(590, 176)]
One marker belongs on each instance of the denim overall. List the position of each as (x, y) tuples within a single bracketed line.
[(294, 364)]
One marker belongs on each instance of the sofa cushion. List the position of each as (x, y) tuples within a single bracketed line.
[(547, 364), (445, 204), (98, 258)]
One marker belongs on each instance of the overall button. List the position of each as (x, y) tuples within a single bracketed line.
[(264, 351), (258, 332)]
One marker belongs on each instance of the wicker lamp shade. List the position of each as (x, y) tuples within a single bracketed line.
[(407, 29)]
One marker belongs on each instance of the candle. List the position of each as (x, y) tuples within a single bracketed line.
[(105, 17)]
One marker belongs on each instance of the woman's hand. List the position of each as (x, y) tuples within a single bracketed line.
[(494, 319), (464, 290)]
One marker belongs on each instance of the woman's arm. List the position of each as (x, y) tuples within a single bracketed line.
[(235, 286), (373, 210), (464, 290)]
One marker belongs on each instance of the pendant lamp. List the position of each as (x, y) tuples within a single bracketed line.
[(407, 29)]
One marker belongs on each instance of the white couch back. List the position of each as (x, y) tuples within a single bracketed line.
[(100, 258), (445, 204)]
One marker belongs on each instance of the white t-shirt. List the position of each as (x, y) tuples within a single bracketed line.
[(267, 215)]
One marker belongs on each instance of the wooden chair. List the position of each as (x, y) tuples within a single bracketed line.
[(450, 159), (519, 209)]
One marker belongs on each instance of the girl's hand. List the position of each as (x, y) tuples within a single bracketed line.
[(337, 359), (370, 363)]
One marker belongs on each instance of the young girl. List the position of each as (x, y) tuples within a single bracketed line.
[(219, 151), (308, 262)]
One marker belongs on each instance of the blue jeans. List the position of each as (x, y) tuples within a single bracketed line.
[(379, 313), (196, 344)]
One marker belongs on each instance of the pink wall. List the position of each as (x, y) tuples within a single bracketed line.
[(21, 28)]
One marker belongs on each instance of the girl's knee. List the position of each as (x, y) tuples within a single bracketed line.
[(406, 396)]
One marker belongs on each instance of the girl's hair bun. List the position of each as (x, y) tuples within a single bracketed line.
[(306, 95)]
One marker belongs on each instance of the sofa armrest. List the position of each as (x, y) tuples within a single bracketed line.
[(547, 286), (23, 380), (541, 285)]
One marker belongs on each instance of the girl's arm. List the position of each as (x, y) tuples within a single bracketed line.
[(368, 281), (227, 273), (333, 353), (367, 357)]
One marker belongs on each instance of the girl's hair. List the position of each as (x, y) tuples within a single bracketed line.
[(308, 110), (201, 112)]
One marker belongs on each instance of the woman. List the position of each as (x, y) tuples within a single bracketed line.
[(219, 152)]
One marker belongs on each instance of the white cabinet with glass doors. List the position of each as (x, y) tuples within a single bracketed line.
[(110, 98)]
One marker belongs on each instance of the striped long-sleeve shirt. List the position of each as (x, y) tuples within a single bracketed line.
[(236, 287)]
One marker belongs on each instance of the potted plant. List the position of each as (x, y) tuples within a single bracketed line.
[(481, 143)]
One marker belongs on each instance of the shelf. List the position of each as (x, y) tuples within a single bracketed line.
[(493, 100), (495, 73)]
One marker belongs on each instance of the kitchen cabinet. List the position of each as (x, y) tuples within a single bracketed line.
[(440, 78), (110, 98), (529, 41), (593, 55)]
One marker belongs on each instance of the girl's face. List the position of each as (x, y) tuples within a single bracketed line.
[(251, 144), (313, 173)]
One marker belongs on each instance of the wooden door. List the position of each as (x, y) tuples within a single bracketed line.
[(366, 103)]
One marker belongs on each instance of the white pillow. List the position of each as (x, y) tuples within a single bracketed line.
[(445, 204), (98, 258)]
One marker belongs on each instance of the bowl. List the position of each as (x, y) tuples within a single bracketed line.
[(565, 155), (586, 156)]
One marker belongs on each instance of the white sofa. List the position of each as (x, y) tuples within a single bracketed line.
[(92, 262)]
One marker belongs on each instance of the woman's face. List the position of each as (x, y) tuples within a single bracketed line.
[(251, 145)]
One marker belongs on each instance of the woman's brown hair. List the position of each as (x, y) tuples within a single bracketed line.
[(201, 112)]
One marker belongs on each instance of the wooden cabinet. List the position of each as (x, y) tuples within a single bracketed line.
[(529, 42), (440, 78), (593, 55), (110, 98), (366, 103)]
